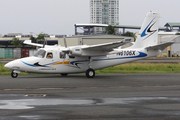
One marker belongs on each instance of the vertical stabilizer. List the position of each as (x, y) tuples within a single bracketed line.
[(148, 34)]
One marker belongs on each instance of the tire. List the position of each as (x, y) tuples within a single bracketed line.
[(14, 75), (64, 74), (90, 73)]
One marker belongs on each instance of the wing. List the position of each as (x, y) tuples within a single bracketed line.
[(28, 42), (108, 47), (94, 50)]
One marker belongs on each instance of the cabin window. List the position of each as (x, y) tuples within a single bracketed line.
[(62, 55), (49, 55), (40, 53)]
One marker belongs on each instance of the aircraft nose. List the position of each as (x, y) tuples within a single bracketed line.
[(13, 65), (8, 65)]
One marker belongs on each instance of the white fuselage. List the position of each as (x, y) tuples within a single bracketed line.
[(67, 64)]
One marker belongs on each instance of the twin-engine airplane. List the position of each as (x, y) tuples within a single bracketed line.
[(88, 58)]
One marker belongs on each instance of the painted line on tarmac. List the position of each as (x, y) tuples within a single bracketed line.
[(88, 87)]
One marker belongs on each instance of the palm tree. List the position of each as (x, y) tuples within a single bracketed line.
[(16, 42), (131, 34)]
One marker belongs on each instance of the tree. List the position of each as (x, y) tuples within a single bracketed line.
[(177, 34), (41, 38), (130, 34), (16, 42), (33, 39), (110, 30)]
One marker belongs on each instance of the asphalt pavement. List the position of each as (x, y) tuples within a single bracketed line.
[(105, 97)]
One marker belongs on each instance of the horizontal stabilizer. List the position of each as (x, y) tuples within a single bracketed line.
[(160, 46)]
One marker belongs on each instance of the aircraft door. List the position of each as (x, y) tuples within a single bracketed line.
[(49, 58)]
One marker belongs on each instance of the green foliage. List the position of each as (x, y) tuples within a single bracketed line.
[(142, 68), (130, 34), (16, 42), (41, 37), (177, 34), (110, 30), (33, 39)]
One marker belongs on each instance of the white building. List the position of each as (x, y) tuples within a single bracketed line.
[(104, 12)]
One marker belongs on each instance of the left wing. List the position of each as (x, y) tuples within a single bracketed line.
[(94, 50)]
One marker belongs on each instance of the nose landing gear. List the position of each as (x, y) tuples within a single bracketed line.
[(13, 74)]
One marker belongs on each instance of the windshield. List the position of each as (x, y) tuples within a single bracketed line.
[(40, 53)]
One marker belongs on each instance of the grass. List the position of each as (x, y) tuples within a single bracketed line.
[(143, 68), (126, 68)]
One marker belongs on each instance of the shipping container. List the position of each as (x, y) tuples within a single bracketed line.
[(2, 53), (32, 52), (8, 53), (17, 53), (24, 53)]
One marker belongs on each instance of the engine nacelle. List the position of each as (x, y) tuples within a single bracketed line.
[(75, 52)]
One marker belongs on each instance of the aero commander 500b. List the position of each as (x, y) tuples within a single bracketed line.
[(86, 58)]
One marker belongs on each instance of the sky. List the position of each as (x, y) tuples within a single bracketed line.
[(59, 16)]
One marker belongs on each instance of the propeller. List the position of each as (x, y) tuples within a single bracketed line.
[(45, 42), (65, 43)]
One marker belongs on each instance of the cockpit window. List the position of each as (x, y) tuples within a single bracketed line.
[(40, 53), (49, 55)]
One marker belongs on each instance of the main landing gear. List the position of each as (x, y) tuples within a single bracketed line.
[(13, 74), (90, 73)]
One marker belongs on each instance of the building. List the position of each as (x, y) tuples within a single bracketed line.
[(104, 12)]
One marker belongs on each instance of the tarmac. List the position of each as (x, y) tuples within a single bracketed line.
[(105, 97)]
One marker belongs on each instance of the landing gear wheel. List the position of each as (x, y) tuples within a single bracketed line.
[(14, 75), (90, 73), (64, 74)]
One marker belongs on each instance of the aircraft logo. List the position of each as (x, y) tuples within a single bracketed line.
[(148, 30)]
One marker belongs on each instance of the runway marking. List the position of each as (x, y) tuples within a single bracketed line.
[(35, 95), (50, 88), (87, 87), (14, 89)]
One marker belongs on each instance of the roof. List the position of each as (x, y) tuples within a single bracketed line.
[(172, 24), (116, 26), (91, 25)]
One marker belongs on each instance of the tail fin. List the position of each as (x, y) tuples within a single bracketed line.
[(148, 32)]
